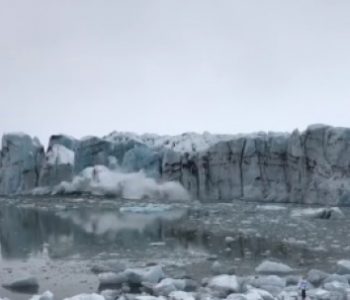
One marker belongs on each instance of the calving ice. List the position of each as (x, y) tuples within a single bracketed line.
[(302, 167)]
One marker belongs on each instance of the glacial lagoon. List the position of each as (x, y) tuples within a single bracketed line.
[(65, 242)]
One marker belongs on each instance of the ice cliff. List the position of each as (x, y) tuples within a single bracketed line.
[(302, 167)]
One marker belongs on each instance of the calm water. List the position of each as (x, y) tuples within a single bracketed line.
[(60, 241)]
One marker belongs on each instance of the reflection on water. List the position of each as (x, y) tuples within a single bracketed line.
[(59, 242), (29, 231)]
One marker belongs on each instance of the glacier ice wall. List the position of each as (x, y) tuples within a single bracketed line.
[(20, 163), (302, 167)]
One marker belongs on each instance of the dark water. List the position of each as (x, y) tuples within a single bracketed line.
[(60, 241)]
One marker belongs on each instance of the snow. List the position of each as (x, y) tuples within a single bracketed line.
[(60, 155), (86, 297), (99, 180), (186, 142), (273, 268)]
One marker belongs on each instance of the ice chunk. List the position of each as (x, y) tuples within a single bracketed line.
[(168, 285), (60, 155), (21, 159), (258, 294), (134, 276), (321, 213), (58, 167), (337, 278), (343, 266), (318, 294), (110, 278), (102, 181), (86, 297), (150, 274), (316, 277), (147, 297), (224, 283), (336, 286), (271, 207), (272, 283), (236, 297), (274, 268), (25, 283), (180, 295), (61, 139), (45, 296), (142, 158)]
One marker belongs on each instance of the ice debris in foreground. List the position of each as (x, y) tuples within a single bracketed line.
[(154, 285)]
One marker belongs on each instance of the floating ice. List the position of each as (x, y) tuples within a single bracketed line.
[(150, 208), (321, 213), (269, 267)]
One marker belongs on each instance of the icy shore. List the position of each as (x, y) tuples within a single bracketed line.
[(272, 280)]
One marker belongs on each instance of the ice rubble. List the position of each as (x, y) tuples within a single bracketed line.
[(100, 180), (153, 284)]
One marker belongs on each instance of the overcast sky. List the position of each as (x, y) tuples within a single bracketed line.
[(86, 67)]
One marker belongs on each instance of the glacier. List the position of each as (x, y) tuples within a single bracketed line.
[(311, 167)]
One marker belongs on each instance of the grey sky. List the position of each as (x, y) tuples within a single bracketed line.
[(87, 67)]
